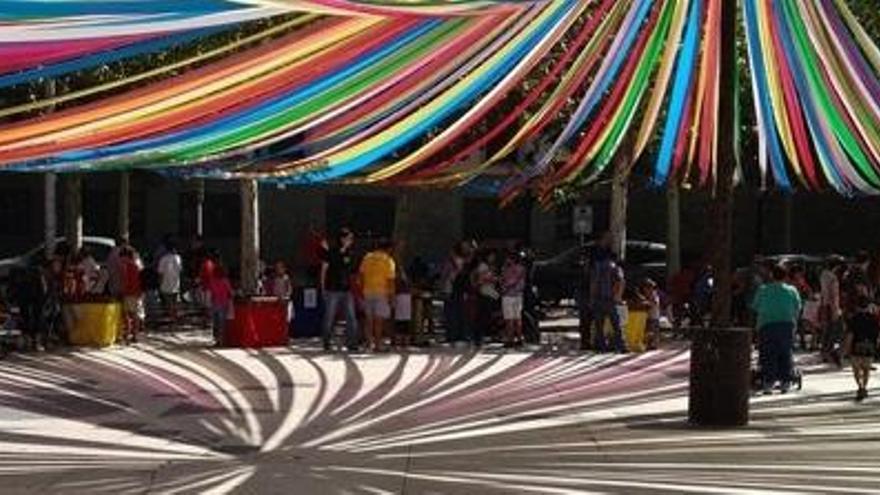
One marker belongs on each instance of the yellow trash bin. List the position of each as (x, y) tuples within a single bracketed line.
[(95, 324), (634, 323)]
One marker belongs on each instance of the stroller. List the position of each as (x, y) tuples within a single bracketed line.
[(796, 379)]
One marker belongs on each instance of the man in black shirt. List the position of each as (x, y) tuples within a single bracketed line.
[(337, 269)]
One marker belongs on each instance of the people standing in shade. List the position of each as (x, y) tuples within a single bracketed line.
[(863, 330), (778, 306), (335, 283), (205, 274), (378, 272), (513, 284), (170, 269), (607, 284), (649, 296), (132, 294), (222, 294), (485, 280), (831, 310)]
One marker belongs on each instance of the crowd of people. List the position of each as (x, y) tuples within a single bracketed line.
[(395, 301), (833, 309)]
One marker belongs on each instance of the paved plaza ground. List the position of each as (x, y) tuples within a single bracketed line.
[(174, 416)]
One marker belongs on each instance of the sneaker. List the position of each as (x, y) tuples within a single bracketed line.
[(861, 394)]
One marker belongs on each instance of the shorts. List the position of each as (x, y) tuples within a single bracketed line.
[(377, 306), (512, 307), (134, 307)]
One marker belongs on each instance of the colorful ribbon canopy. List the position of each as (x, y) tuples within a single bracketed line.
[(440, 92)]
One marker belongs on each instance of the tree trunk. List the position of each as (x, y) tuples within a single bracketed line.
[(250, 237), (73, 218), (722, 205), (124, 225), (619, 197), (673, 231)]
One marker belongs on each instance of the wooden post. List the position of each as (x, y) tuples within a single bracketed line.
[(250, 236), (721, 248), (73, 218), (124, 225), (673, 230)]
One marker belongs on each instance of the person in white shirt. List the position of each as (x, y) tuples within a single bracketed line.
[(830, 310), (170, 268)]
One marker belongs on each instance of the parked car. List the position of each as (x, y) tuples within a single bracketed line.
[(99, 246), (562, 276)]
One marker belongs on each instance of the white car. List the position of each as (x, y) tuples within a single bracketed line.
[(99, 246)]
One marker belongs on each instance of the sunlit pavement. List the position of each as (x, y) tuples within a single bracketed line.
[(173, 416)]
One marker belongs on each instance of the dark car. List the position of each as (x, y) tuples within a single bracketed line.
[(562, 276)]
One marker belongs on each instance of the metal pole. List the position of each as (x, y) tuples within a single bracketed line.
[(200, 207), (50, 194)]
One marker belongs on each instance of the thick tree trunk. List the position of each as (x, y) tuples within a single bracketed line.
[(124, 220), (620, 197), (673, 231), (73, 218), (250, 236), (722, 206)]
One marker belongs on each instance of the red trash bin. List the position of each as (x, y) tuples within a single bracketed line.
[(258, 322)]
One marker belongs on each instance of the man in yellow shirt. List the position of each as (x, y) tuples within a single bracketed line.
[(378, 272)]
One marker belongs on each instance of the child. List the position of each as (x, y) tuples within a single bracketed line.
[(278, 285), (220, 290), (513, 283), (649, 295), (402, 313), (862, 334), (132, 294)]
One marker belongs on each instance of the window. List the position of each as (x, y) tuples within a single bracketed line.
[(15, 213)]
